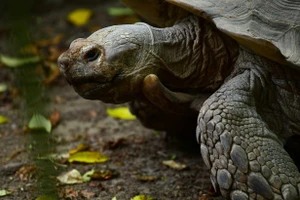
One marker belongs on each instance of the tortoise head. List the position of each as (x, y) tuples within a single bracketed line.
[(109, 65)]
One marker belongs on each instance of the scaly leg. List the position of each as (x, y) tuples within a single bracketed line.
[(245, 157)]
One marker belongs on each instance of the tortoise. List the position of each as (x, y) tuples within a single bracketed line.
[(229, 69)]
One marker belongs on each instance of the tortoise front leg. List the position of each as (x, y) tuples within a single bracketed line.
[(245, 157), (163, 109)]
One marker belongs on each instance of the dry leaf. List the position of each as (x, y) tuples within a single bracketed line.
[(71, 177), (86, 194), (103, 174), (25, 172), (55, 118), (174, 165), (114, 144), (121, 113), (80, 147), (143, 177), (71, 194), (52, 73), (88, 157), (80, 17), (47, 42)]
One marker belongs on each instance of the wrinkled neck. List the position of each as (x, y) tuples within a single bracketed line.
[(192, 54)]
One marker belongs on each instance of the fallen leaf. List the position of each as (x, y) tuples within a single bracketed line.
[(88, 157), (30, 49), (80, 17), (39, 122), (3, 119), (26, 172), (4, 193), (47, 42), (53, 72), (144, 177), (142, 197), (92, 113), (173, 157), (86, 177), (71, 177), (103, 174), (3, 87), (71, 194), (61, 158), (55, 118), (18, 62), (121, 113), (174, 165), (80, 147), (119, 11), (86, 194), (114, 144), (114, 198), (46, 197), (14, 154)]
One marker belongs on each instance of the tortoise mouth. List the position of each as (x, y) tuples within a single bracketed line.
[(92, 90)]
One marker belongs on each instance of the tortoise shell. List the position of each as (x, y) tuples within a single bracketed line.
[(270, 28)]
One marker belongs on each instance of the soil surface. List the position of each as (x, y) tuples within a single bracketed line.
[(135, 153)]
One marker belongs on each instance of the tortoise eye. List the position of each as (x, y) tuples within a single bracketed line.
[(92, 54)]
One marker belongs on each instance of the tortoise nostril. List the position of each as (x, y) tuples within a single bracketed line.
[(63, 63), (92, 54)]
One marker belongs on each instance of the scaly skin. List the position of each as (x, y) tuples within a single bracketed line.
[(167, 73), (242, 127)]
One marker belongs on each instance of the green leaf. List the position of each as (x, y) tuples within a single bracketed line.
[(17, 62), (3, 87), (173, 157), (46, 197), (3, 119), (114, 198), (4, 193), (87, 176), (121, 113), (118, 11), (39, 122), (142, 197)]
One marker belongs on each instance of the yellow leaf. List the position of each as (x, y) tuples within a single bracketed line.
[(88, 157), (142, 197), (80, 17), (80, 147), (3, 120), (121, 113)]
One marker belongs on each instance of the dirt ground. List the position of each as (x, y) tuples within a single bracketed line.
[(134, 152)]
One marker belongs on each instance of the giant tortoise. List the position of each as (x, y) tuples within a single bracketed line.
[(235, 64)]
